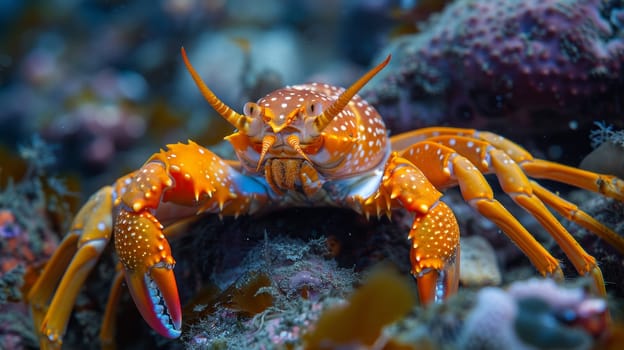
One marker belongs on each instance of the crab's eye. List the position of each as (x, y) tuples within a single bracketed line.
[(314, 108), (252, 110)]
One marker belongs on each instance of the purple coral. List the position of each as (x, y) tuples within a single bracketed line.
[(534, 314), (8, 227), (482, 61)]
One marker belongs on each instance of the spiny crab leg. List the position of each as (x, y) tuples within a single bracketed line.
[(148, 268), (604, 184), (607, 185), (571, 212), (434, 234), (444, 165), (79, 251), (491, 153), (179, 182), (476, 146), (182, 181)]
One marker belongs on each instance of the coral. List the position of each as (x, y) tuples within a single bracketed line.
[(16, 328), (305, 285), (104, 79), (493, 315), (556, 308), (31, 208), (288, 290), (10, 284), (101, 129), (528, 314), (30, 211), (534, 314), (605, 133), (541, 65), (91, 112), (8, 228), (283, 286), (608, 154)]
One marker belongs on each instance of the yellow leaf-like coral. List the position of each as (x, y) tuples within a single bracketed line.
[(384, 298)]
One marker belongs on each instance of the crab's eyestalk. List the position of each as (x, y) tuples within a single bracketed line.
[(238, 120), (330, 113)]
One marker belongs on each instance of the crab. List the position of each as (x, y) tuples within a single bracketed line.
[(312, 145)]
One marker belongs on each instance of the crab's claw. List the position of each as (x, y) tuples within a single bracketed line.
[(435, 253), (156, 296), (148, 267)]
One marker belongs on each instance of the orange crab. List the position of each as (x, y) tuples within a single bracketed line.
[(312, 145)]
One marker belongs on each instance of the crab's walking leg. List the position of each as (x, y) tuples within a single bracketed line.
[(515, 183), (443, 166), (179, 182), (184, 180), (79, 251), (571, 212), (607, 185), (434, 234), (44, 287), (107, 330), (493, 153), (509, 165)]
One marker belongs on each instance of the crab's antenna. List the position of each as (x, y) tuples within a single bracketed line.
[(238, 120), (330, 113)]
